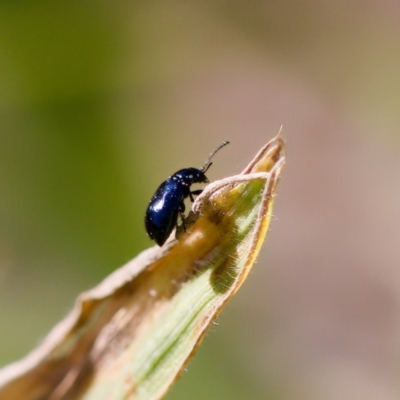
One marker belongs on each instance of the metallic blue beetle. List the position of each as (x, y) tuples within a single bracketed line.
[(168, 200)]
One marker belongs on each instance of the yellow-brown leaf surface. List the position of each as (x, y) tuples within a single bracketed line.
[(129, 337)]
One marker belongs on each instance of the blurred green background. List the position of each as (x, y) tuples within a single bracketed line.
[(100, 101)]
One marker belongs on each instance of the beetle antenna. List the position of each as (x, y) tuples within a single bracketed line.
[(208, 162)]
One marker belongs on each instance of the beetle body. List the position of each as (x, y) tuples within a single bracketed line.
[(168, 201)]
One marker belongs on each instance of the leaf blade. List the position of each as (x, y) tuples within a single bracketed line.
[(130, 337)]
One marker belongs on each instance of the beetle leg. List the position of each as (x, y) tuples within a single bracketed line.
[(181, 210), (183, 221), (196, 193)]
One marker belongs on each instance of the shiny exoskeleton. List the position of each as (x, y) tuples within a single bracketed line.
[(168, 201)]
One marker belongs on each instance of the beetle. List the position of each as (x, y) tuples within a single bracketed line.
[(168, 200)]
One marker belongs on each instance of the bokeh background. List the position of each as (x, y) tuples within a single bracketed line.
[(101, 100)]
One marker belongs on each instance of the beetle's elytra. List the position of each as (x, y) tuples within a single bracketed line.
[(168, 200)]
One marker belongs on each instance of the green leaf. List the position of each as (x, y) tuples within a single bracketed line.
[(131, 336)]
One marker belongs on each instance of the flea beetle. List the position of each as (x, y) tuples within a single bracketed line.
[(168, 200)]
